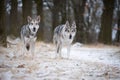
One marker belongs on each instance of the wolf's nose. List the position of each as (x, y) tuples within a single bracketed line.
[(34, 29), (70, 36)]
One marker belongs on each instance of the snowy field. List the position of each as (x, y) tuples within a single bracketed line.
[(86, 62)]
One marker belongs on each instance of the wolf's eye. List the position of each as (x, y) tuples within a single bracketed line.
[(66, 30), (31, 23), (36, 23), (73, 30)]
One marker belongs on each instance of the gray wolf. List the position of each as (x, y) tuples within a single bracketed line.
[(63, 36), (28, 34)]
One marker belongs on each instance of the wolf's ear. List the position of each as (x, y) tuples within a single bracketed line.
[(67, 24), (29, 19), (38, 18), (74, 24)]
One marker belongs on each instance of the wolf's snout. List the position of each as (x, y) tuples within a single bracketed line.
[(70, 36), (34, 29)]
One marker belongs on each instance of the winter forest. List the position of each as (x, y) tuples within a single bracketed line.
[(94, 53), (96, 20)]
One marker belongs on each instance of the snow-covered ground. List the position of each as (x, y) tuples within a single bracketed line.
[(86, 62)]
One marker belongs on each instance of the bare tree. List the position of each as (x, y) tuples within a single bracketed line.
[(13, 18), (26, 9), (92, 19), (64, 11), (78, 7), (56, 12), (105, 35), (40, 12), (2, 23), (118, 30)]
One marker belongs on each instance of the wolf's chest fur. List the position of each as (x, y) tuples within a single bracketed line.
[(63, 36), (26, 32), (66, 40)]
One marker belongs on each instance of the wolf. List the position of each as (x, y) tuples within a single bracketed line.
[(28, 34), (63, 36)]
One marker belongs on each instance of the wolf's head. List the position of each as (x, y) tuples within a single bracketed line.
[(33, 24), (70, 31)]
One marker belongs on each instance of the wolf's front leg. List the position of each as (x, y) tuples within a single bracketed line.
[(60, 51), (25, 46), (68, 51), (57, 51), (33, 47), (23, 49)]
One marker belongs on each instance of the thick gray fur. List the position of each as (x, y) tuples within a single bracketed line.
[(63, 36), (28, 34)]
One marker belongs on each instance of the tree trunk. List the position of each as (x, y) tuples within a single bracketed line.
[(55, 13), (105, 35), (63, 11), (13, 18), (118, 31), (78, 6), (26, 9), (2, 24), (40, 12)]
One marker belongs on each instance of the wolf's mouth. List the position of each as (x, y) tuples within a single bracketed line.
[(70, 36), (34, 29)]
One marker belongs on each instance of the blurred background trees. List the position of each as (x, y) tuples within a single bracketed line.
[(106, 22), (2, 23), (96, 20)]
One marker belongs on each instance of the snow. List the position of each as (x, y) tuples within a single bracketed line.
[(104, 55), (86, 62), (6, 75)]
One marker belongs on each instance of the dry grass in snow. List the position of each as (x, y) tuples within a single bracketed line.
[(86, 62)]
